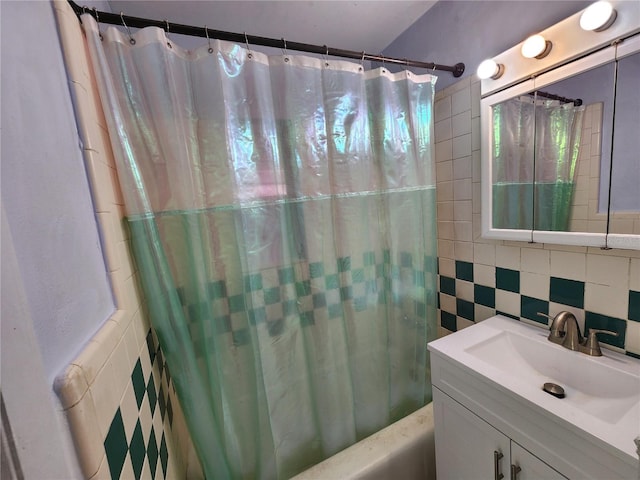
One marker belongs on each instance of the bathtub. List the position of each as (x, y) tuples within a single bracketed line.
[(404, 450)]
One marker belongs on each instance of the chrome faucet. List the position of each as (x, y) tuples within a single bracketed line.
[(565, 331)]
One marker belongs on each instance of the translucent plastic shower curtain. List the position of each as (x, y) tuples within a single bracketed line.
[(535, 151), (282, 213)]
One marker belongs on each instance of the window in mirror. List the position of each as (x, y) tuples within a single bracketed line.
[(625, 176), (572, 150), (512, 140)]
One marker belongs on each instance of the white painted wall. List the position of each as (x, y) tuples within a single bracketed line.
[(470, 31), (45, 191)]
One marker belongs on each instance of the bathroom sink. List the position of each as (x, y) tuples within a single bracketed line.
[(602, 394)]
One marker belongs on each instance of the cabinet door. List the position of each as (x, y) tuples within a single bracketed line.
[(531, 467), (466, 444)]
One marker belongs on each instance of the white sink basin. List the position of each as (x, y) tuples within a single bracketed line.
[(602, 393)]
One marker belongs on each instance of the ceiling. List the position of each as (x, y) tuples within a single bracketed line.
[(352, 25)]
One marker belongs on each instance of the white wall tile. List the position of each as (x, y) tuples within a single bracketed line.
[(462, 323), (461, 146), (461, 101), (462, 189), (508, 302), (611, 301), (464, 251), (443, 150), (482, 313), (534, 261), (442, 130), (462, 168), (447, 267), (508, 257), (461, 123), (484, 254), (484, 275), (442, 109), (634, 275), (608, 270), (462, 211), (632, 339), (464, 290), (568, 265), (534, 285), (444, 171), (448, 303)]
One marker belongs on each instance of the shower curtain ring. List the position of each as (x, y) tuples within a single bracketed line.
[(284, 50), (206, 32), (246, 42), (167, 34), (95, 12), (325, 56), (132, 40)]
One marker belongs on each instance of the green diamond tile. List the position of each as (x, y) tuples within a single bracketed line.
[(306, 319), (170, 408), (137, 451), (257, 315), (484, 295), (346, 293), (137, 379), (604, 322), (164, 455), (115, 445), (152, 453), (529, 308), (161, 402), (508, 280), (240, 337), (448, 321), (634, 305), (319, 300), (448, 285), (567, 292), (465, 309), (464, 270), (151, 392), (289, 307), (303, 288)]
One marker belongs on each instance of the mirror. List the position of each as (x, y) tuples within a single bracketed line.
[(553, 145), (574, 121), (625, 174)]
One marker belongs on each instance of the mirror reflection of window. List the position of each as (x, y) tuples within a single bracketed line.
[(625, 173)]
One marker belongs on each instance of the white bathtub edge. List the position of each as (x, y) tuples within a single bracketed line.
[(405, 449)]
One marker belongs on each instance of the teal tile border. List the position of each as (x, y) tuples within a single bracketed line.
[(604, 322), (508, 280), (634, 305)]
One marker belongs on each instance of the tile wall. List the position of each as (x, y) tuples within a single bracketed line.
[(117, 394), (479, 278)]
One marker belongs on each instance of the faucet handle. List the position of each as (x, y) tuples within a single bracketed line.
[(591, 345)]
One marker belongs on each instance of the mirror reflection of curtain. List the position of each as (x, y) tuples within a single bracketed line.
[(282, 216), (535, 150), (558, 134), (513, 136)]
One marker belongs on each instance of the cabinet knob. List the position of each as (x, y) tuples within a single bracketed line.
[(497, 456), (515, 470)]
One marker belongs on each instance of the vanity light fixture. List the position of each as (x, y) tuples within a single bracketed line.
[(490, 69), (536, 46), (598, 17)]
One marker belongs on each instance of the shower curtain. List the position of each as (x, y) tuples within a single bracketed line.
[(535, 150), (282, 217)]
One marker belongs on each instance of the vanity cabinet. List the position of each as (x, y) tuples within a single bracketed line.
[(467, 447)]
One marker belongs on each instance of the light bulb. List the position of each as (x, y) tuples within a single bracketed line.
[(490, 69), (598, 17), (535, 47)]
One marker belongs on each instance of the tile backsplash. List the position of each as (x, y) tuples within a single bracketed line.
[(479, 278)]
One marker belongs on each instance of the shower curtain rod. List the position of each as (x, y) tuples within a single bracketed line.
[(576, 102), (137, 22)]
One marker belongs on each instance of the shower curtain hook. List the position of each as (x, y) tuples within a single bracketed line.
[(167, 34), (206, 32), (325, 56), (284, 50), (382, 59), (132, 40), (362, 62), (246, 42), (95, 12)]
